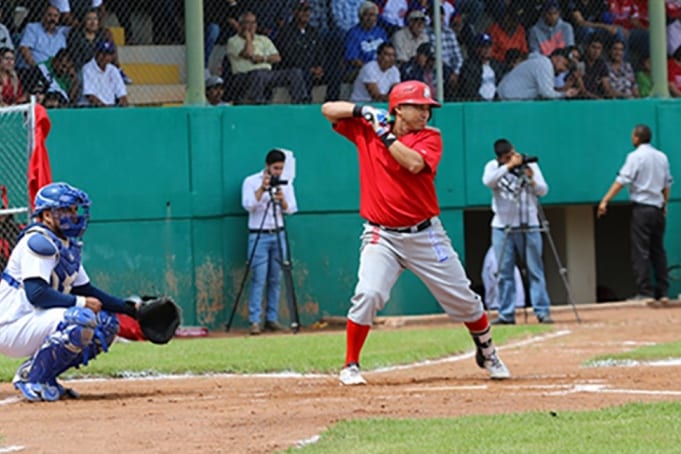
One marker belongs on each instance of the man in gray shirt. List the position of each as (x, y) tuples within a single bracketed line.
[(646, 172), (534, 78)]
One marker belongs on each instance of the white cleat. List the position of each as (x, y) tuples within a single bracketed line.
[(351, 376), (496, 368)]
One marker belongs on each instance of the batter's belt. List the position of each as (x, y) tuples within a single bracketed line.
[(413, 229)]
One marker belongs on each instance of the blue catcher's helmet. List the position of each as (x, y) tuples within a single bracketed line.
[(58, 197)]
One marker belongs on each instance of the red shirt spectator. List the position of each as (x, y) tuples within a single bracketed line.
[(629, 14), (507, 34), (674, 74)]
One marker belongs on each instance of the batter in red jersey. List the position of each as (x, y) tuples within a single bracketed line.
[(398, 161)]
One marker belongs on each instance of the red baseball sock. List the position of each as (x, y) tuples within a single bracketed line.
[(355, 335), (479, 325)]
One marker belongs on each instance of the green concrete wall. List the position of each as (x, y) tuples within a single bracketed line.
[(166, 189)]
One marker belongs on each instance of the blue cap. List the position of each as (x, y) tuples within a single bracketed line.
[(483, 39), (551, 4), (106, 47)]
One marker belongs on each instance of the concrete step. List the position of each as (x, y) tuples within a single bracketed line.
[(145, 95), (152, 73)]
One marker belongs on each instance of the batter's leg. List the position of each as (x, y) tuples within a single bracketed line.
[(379, 269)]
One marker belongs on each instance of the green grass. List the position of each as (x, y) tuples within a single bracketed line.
[(633, 428), (647, 353), (321, 353)]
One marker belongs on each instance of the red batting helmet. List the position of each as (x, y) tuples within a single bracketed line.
[(410, 92)]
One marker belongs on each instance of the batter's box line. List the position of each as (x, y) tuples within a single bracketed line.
[(471, 354)]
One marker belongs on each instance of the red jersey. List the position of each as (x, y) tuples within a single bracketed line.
[(390, 195)]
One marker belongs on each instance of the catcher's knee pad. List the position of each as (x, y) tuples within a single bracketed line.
[(62, 348), (104, 335)]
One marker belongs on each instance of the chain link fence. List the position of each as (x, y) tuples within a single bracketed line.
[(15, 129), (292, 51)]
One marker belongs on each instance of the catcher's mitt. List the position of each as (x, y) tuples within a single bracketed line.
[(159, 317)]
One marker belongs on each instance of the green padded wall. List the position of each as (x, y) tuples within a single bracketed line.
[(166, 185)]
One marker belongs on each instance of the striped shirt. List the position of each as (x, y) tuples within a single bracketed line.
[(513, 202)]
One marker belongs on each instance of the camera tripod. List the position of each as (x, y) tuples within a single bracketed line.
[(284, 261), (524, 228)]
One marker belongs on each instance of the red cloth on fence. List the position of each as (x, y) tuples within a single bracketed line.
[(39, 172)]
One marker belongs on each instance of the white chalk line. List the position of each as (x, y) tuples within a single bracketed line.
[(5, 449), (463, 356)]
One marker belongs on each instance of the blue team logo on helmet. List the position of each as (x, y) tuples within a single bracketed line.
[(59, 196)]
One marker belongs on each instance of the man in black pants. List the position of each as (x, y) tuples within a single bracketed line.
[(646, 172)]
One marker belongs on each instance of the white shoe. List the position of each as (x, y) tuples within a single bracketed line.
[(496, 367), (350, 376)]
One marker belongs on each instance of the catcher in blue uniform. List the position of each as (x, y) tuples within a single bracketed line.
[(49, 309)]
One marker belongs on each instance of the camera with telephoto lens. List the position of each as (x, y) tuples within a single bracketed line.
[(523, 165), (276, 181), (528, 159)]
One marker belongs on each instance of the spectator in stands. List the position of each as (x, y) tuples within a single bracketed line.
[(71, 12), (362, 40), (41, 40), (574, 76), (674, 73), (220, 21), (512, 58), (644, 77), (81, 42), (215, 90), (251, 57), (61, 76), (410, 37), (550, 32), (620, 73), (534, 78), (632, 16), (587, 17), (507, 33), (103, 84), (11, 90), (480, 74), (392, 14), (301, 47), (596, 81), (376, 78), (673, 36), (451, 51), (422, 67), (345, 13), (5, 36)]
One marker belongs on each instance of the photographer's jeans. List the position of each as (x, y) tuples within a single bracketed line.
[(265, 269), (527, 244)]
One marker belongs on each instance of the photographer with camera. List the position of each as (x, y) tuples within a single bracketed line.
[(266, 197), (516, 181)]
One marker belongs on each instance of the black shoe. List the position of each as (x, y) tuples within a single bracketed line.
[(546, 320), (272, 326), (254, 329), (501, 321)]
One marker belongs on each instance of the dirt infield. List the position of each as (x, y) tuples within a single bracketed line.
[(262, 414)]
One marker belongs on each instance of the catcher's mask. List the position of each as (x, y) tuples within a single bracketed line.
[(60, 199)]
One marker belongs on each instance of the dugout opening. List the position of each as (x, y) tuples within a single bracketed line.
[(593, 252)]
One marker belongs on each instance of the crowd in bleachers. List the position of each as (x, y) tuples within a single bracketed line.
[(354, 49), (491, 49)]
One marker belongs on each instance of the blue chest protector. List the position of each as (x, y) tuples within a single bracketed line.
[(46, 243)]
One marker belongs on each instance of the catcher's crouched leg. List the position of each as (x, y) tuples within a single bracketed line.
[(36, 379)]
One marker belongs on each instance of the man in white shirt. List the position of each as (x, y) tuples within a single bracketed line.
[(516, 184), (103, 84), (264, 195), (376, 78), (646, 172), (41, 40)]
